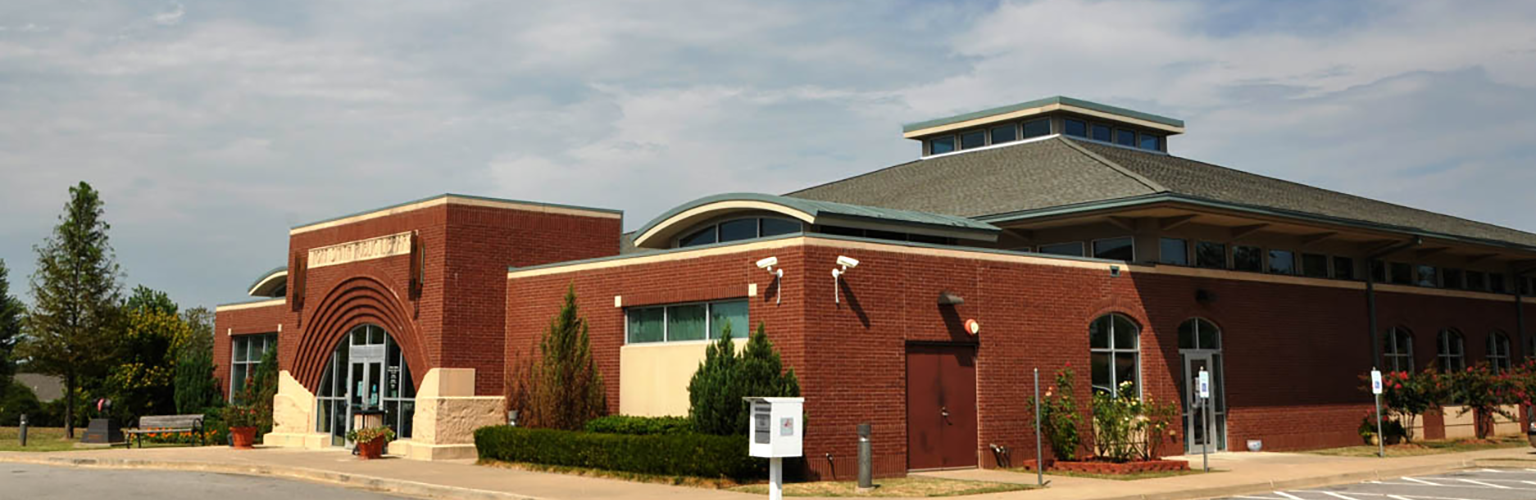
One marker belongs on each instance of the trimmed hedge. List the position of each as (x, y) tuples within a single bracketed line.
[(697, 455), (640, 426)]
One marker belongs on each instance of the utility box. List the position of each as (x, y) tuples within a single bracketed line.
[(776, 427)]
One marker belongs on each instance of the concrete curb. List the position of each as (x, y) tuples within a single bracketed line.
[(343, 479)]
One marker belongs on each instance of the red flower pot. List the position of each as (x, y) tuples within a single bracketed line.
[(370, 450), (243, 438)]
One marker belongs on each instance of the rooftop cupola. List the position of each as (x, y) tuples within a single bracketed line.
[(1057, 115)]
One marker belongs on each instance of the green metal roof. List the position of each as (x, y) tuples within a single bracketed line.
[(817, 209), (455, 195), (1043, 102)]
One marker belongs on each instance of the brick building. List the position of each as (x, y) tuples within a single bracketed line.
[(918, 297)]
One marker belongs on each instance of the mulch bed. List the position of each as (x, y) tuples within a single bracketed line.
[(1106, 467)]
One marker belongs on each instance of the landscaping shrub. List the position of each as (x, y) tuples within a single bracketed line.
[(1059, 418), (19, 400), (1483, 393), (640, 426), (1407, 395), (1126, 427), (697, 455), (716, 390), (562, 389)]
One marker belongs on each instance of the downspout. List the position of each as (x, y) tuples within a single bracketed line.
[(1530, 415), (1370, 294)]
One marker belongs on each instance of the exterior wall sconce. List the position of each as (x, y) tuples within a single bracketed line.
[(950, 299)]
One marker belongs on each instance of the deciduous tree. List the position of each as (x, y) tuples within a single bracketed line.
[(76, 298), (11, 311)]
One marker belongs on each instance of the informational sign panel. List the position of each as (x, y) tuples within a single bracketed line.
[(1204, 385), (1375, 381)]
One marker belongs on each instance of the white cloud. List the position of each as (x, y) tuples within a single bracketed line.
[(210, 139)]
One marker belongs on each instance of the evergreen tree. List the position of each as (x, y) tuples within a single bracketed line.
[(148, 298), (76, 296), (196, 389), (565, 390), (11, 311), (715, 393), (199, 321)]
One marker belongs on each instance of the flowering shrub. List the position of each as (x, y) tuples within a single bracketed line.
[(242, 416), (183, 437), (1483, 393), (1405, 396), (1126, 428), (369, 434), (1059, 418), (1395, 429)]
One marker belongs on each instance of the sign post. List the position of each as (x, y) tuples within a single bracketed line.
[(1203, 385), (1040, 462), (1381, 435), (776, 432)]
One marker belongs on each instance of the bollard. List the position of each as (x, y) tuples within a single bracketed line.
[(22, 433), (866, 469)]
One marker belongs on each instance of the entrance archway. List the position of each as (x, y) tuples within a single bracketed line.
[(367, 372)]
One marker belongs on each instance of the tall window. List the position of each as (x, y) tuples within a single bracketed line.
[(1397, 350), (1113, 344), (1498, 352), (1452, 354), (683, 322), (1199, 334), (246, 354)]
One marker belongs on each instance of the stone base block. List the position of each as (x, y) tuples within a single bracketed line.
[(422, 451), (308, 441)]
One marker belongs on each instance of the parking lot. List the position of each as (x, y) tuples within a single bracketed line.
[(1472, 484)]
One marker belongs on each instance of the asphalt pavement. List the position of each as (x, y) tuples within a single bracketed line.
[(27, 481), (1472, 484)]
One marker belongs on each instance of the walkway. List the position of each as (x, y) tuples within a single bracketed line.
[(1243, 474)]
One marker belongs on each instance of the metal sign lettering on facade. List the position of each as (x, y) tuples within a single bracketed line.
[(353, 251)]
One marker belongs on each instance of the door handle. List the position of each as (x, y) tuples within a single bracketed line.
[(944, 412)]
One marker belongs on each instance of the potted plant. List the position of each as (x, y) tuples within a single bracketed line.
[(370, 441), (243, 421)]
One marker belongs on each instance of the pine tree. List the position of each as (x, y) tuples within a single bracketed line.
[(76, 297), (715, 393), (196, 389), (11, 311), (565, 390)]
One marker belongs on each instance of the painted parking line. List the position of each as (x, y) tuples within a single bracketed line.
[(1339, 496)]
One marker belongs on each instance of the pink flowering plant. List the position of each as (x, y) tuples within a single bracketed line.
[(1059, 420), (1484, 393)]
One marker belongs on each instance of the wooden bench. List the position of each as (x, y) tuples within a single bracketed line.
[(166, 423)]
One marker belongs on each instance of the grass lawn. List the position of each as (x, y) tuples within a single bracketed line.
[(1419, 448), (895, 487), (1121, 477), (38, 439)]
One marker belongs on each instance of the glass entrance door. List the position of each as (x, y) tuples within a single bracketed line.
[(1203, 423), (367, 372)]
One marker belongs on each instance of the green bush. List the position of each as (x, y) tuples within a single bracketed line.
[(640, 426), (18, 400), (716, 390), (696, 455)]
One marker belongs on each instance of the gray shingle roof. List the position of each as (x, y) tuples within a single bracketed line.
[(1058, 171)]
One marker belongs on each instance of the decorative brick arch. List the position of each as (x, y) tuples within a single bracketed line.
[(357, 300)]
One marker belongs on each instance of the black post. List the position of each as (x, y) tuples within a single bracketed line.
[(22, 433), (866, 459)]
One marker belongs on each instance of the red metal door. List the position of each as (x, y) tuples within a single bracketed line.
[(941, 407)]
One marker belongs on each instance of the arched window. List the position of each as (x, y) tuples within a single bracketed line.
[(1498, 352), (739, 229), (1397, 350), (1113, 342), (1199, 334), (1452, 355), (367, 372)]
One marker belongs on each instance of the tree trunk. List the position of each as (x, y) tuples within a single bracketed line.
[(69, 405)]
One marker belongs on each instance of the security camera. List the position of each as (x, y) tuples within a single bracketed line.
[(847, 262), (768, 263)]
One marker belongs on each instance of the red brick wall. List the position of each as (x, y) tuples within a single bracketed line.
[(1293, 353), (458, 319), (256, 320)]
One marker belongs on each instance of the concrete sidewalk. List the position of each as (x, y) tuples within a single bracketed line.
[(1243, 473)]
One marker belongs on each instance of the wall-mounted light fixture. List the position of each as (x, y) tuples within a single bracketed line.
[(847, 263), (778, 277)]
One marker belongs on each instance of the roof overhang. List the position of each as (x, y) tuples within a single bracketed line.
[(268, 283), (1279, 214), (1040, 107), (661, 231)]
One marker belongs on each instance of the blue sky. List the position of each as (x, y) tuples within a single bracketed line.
[(212, 127)]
